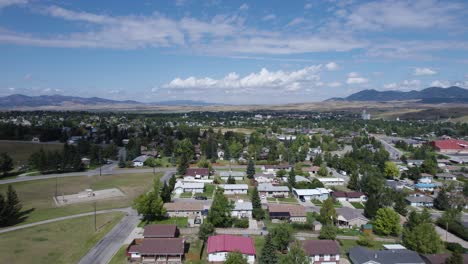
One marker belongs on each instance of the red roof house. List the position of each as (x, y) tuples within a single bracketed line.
[(220, 245), (450, 146), (322, 251), (160, 231)]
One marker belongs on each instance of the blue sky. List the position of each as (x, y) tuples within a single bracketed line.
[(237, 52)]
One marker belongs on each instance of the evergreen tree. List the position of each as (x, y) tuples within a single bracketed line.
[(455, 258), (353, 181), (172, 182), (268, 254), (6, 163), (166, 193), (257, 212), (371, 207), (442, 201), (318, 160), (231, 180), (121, 162), (400, 204), (3, 217), (11, 210), (328, 212), (183, 165), (250, 169), (220, 212), (292, 178)]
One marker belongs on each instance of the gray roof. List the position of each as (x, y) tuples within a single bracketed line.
[(231, 173), (360, 255), (235, 186), (349, 213), (268, 187), (243, 206), (419, 199)]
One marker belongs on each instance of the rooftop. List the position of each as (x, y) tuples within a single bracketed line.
[(294, 210), (235, 186), (160, 231), (156, 246), (230, 243), (268, 187), (318, 247)]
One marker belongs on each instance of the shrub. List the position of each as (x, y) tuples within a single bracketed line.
[(241, 223)]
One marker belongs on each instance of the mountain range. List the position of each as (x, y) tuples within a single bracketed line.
[(431, 95), (19, 100)]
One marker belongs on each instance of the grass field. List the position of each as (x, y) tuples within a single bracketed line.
[(357, 205), (186, 195), (346, 245), (20, 151), (209, 190), (178, 221), (38, 194), (120, 257), (60, 242)]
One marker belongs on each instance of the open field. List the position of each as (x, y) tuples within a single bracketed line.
[(21, 150), (120, 257), (38, 194), (60, 242)]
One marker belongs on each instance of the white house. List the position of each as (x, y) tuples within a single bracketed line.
[(264, 178), (270, 190), (237, 175), (312, 194), (140, 161), (272, 169), (420, 200), (331, 181), (219, 246), (242, 209), (425, 178), (235, 188), (193, 187)]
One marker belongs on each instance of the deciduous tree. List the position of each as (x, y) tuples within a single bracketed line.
[(220, 212), (387, 222), (235, 258), (296, 255), (328, 212)]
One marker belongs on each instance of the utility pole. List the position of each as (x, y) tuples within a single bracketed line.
[(100, 163), (95, 225), (446, 231), (56, 186)]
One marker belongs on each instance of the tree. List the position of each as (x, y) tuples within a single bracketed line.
[(422, 239), (292, 178), (121, 162), (371, 207), (296, 255), (323, 171), (206, 229), (442, 201), (151, 162), (268, 254), (353, 181), (172, 182), (166, 193), (3, 218), (366, 240), (465, 189), (150, 204), (391, 170), (250, 169), (281, 236), (430, 166), (387, 222), (400, 204), (6, 163), (10, 207), (257, 211), (318, 160), (328, 212), (235, 258), (455, 258), (231, 180), (328, 232), (415, 219), (220, 212), (183, 165)]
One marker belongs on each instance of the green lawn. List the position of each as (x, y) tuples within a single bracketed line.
[(20, 151), (60, 242), (209, 190), (38, 195), (259, 241), (317, 202), (346, 245), (348, 232), (357, 205), (120, 257), (288, 200), (186, 195), (195, 251), (179, 221)]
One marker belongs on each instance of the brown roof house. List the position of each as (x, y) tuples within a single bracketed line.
[(159, 245), (322, 251), (289, 212), (192, 210)]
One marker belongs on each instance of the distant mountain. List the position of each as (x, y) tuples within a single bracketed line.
[(429, 95), (19, 100)]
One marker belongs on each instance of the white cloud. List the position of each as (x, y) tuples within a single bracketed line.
[(244, 6), (405, 85), (354, 78), (423, 71), (332, 66), (275, 81), (5, 3), (417, 14), (334, 84), (308, 6), (445, 84), (269, 17), (296, 21)]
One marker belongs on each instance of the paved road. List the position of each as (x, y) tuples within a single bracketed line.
[(395, 153), (9, 229), (105, 249), (447, 236)]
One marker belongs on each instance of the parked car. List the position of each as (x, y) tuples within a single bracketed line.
[(302, 199), (200, 197)]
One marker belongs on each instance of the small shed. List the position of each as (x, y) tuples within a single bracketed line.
[(316, 226)]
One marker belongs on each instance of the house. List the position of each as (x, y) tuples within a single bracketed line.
[(311, 194), (272, 169), (450, 146), (312, 170), (446, 177), (270, 190), (161, 231), (235, 188), (264, 178), (420, 200), (192, 210), (242, 209), (139, 161), (237, 175), (331, 181), (349, 196), (425, 178), (441, 258), (85, 162), (220, 245), (159, 245), (157, 250), (288, 212), (396, 185), (322, 251), (415, 162), (425, 187), (361, 255), (197, 173), (316, 226), (193, 187), (349, 218)]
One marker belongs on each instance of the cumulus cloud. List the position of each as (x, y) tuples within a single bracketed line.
[(423, 71), (244, 6), (5, 3), (308, 6), (445, 83), (296, 21), (332, 66), (334, 84), (404, 85), (269, 17), (355, 78), (278, 81)]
